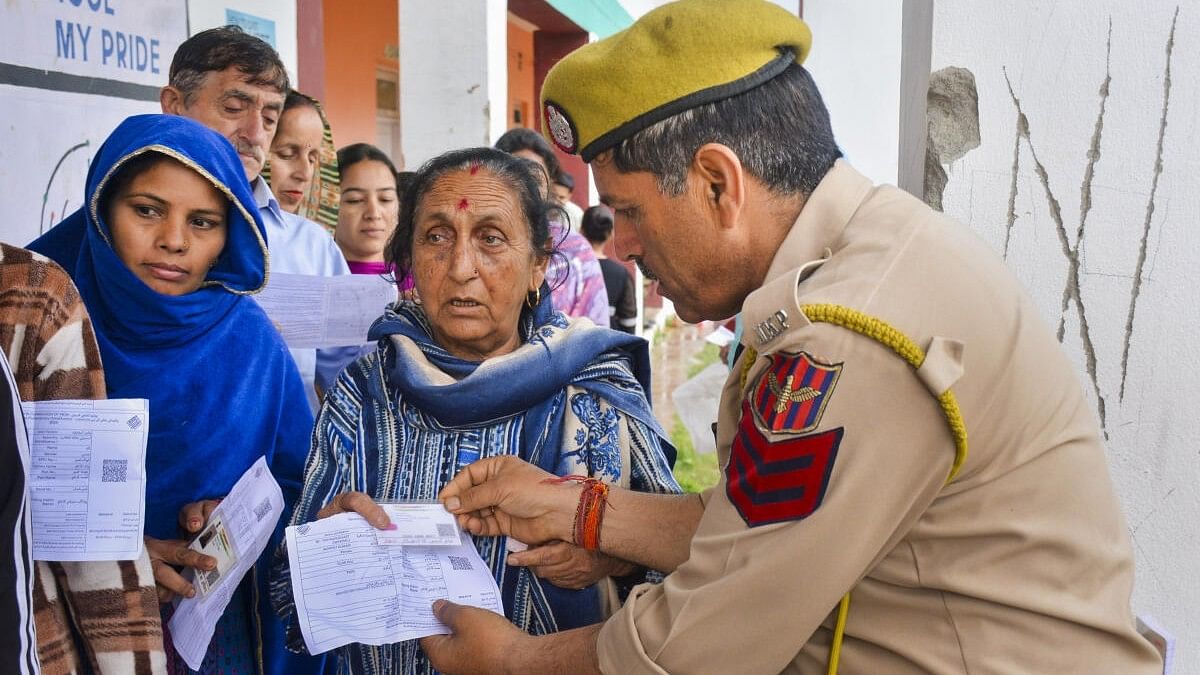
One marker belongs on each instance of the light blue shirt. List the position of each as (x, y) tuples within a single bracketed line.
[(298, 246)]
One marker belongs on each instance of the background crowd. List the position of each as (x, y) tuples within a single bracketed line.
[(189, 214)]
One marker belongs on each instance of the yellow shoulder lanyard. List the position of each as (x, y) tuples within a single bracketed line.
[(888, 336)]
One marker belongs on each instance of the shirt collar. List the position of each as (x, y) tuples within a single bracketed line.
[(263, 195), (774, 307)]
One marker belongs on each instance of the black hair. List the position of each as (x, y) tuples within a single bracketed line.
[(520, 175), (350, 155), (520, 138), (217, 49), (565, 179), (597, 224), (403, 180), (779, 130), (297, 100)]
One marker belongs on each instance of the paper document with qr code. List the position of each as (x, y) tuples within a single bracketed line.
[(87, 478), (354, 583), (236, 534)]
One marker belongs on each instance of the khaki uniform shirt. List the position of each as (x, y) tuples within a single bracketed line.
[(1021, 564)]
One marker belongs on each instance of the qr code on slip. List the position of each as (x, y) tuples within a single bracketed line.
[(446, 530), (458, 562), (114, 471), (261, 511)]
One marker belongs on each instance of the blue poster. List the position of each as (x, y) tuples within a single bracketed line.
[(257, 26)]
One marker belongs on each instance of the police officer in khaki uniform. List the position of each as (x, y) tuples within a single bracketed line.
[(913, 481)]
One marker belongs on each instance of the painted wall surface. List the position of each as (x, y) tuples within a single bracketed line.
[(637, 8), (454, 84), (522, 108), (53, 56), (277, 16), (855, 61), (1086, 180), (357, 37)]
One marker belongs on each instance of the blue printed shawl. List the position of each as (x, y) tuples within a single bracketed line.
[(403, 420), (223, 390)]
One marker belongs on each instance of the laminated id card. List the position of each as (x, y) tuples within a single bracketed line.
[(419, 524), (213, 540)]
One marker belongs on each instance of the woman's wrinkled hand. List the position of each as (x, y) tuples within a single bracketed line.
[(569, 566), (166, 557), (194, 516), (360, 503)]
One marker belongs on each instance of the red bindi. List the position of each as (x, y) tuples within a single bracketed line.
[(463, 204)]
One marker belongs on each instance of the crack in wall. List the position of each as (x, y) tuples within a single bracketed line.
[(1012, 190), (1085, 190), (1072, 283), (1136, 289)]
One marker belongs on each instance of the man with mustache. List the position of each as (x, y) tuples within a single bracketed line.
[(235, 84), (854, 530)]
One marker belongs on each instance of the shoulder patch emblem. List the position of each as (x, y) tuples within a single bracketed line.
[(790, 396), (774, 482), (562, 131)]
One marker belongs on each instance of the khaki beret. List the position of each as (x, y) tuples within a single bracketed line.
[(679, 56)]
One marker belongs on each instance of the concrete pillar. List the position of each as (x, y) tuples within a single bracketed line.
[(453, 74), (310, 40)]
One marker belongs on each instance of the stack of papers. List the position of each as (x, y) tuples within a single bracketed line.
[(354, 583), (87, 482), (236, 534), (313, 311)]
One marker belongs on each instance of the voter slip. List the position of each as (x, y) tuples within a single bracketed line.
[(419, 524)]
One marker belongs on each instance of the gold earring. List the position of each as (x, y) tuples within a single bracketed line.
[(537, 298)]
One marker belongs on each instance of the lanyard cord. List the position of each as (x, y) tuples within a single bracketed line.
[(884, 333)]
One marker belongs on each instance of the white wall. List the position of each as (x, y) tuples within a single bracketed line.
[(1054, 54), (66, 88), (637, 8), (855, 61), (453, 74), (278, 15)]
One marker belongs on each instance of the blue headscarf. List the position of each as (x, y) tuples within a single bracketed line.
[(223, 390), (529, 381)]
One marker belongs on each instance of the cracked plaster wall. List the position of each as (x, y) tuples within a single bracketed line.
[(1085, 179)]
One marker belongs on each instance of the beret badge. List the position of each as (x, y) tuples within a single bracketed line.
[(562, 131)]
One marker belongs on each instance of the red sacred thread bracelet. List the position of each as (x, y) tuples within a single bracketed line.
[(589, 515)]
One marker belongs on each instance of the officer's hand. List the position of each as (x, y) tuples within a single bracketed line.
[(480, 641), (360, 503), (569, 566), (165, 556), (506, 495)]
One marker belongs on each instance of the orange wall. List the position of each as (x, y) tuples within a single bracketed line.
[(357, 36), (520, 77)]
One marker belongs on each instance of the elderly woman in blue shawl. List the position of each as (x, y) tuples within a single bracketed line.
[(482, 367), (165, 253)]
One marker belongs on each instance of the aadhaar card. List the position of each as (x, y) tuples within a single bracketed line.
[(213, 540), (419, 524)]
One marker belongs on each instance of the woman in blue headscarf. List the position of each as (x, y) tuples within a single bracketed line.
[(166, 252), (483, 366)]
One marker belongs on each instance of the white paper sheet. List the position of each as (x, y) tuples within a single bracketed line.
[(313, 311), (241, 525), (350, 588), (87, 487)]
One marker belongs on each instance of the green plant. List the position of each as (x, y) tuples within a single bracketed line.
[(695, 472), (708, 355)]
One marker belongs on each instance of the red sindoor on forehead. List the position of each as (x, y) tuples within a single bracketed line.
[(475, 168), (463, 204)]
